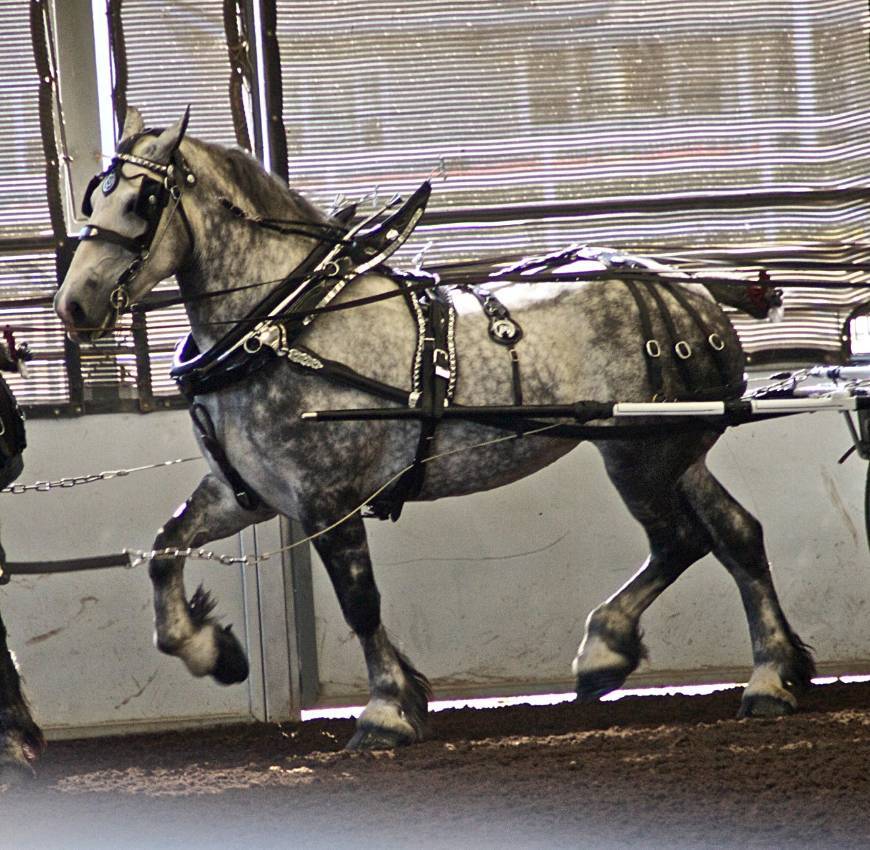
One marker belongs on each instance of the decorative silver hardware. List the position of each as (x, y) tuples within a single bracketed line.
[(683, 350), (119, 298), (504, 329), (716, 341), (417, 262), (653, 349), (253, 344), (451, 352), (302, 358), (337, 203), (441, 370), (165, 170)]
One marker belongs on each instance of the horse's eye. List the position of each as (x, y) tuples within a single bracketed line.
[(130, 207)]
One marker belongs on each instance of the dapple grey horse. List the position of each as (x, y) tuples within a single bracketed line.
[(581, 341)]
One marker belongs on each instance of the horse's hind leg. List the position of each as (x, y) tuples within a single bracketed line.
[(21, 739), (782, 663), (611, 648), (187, 629), (398, 694)]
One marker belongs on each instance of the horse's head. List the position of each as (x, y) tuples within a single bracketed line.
[(137, 232)]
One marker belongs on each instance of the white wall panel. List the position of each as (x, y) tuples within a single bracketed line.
[(490, 592), (84, 640)]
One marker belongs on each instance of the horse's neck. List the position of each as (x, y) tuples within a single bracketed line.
[(230, 253)]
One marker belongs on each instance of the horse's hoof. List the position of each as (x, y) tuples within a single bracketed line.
[(15, 772), (231, 666), (595, 684), (762, 705), (368, 737)]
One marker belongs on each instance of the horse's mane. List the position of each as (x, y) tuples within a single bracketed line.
[(264, 194)]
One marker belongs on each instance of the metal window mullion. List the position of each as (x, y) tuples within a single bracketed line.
[(118, 53), (266, 42), (241, 71)]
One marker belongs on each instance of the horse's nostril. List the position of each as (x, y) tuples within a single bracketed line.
[(76, 315)]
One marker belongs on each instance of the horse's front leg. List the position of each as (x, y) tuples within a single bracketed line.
[(398, 694), (187, 629), (21, 740)]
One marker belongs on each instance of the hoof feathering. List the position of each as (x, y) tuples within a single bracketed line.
[(368, 737), (598, 683), (14, 772), (231, 666), (762, 705)]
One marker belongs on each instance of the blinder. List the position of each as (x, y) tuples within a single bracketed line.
[(150, 199)]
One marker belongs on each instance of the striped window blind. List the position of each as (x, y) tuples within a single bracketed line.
[(176, 54), (720, 135), (27, 266)]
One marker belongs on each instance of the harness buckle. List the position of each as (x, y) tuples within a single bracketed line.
[(653, 349), (683, 350), (442, 369)]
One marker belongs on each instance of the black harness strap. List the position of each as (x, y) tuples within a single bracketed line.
[(504, 330), (435, 373), (652, 351), (714, 342), (681, 349), (337, 372), (244, 493)]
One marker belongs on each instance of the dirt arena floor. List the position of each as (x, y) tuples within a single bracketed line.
[(675, 772)]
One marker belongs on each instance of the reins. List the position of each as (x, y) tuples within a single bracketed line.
[(442, 274)]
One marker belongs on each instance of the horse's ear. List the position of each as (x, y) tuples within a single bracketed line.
[(133, 123), (168, 141)]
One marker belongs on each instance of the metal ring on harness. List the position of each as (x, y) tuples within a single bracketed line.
[(504, 329), (683, 350), (653, 349), (716, 342), (253, 344), (119, 298)]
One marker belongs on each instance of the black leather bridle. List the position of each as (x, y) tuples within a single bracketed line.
[(154, 197)]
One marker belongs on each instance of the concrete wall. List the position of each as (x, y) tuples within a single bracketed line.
[(487, 594), (84, 640), (490, 593)]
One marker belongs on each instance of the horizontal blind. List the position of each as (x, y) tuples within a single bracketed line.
[(27, 261), (176, 55), (530, 107), (23, 204)]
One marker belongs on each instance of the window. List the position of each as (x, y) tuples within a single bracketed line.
[(710, 136)]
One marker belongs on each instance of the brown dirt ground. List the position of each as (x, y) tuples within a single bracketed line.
[(643, 772)]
